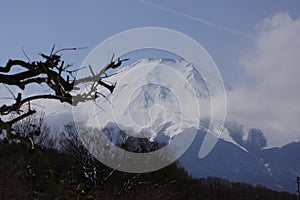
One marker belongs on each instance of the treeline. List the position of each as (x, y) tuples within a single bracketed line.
[(68, 171)]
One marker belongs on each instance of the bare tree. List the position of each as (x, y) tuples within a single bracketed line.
[(58, 78), (35, 128)]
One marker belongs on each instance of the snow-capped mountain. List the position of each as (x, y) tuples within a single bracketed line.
[(157, 99), (158, 94)]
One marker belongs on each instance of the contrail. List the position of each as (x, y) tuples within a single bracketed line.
[(217, 26)]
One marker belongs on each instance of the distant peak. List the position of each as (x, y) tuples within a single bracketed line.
[(162, 60)]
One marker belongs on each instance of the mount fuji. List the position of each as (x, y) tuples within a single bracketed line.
[(157, 101)]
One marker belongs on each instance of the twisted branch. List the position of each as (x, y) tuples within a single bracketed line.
[(52, 72)]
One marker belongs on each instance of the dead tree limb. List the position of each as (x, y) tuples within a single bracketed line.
[(52, 72)]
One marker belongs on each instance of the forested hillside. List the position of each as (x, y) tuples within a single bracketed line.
[(71, 173)]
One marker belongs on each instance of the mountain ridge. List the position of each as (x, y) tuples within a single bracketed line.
[(152, 109)]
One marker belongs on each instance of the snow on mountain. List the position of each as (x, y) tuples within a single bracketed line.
[(157, 99), (153, 93), (226, 137)]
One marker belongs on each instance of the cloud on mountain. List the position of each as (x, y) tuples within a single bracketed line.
[(269, 95)]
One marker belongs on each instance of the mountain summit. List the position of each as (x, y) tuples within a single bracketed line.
[(158, 99)]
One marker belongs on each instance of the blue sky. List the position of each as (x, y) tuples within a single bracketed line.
[(231, 31), (36, 25)]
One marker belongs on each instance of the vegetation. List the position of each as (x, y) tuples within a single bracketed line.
[(68, 171), (26, 175)]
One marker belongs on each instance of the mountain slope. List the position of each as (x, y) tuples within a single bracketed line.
[(276, 168), (156, 102)]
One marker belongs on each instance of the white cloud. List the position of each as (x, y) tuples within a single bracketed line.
[(269, 97), (57, 114)]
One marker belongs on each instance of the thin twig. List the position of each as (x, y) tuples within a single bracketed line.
[(26, 55), (69, 49)]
